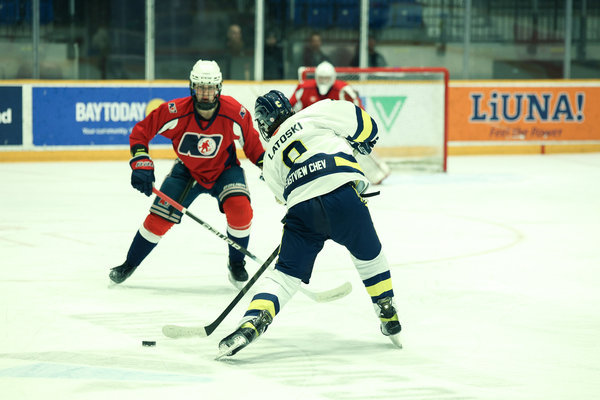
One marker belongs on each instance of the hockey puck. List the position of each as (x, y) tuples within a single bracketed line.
[(148, 343)]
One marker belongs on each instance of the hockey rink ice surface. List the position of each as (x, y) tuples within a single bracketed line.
[(495, 266)]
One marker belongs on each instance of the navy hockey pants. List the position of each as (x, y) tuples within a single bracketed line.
[(232, 182), (340, 215)]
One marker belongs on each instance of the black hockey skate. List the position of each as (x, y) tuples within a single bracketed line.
[(390, 326), (237, 273), (244, 335), (122, 272)]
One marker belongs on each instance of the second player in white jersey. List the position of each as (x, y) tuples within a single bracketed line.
[(310, 154)]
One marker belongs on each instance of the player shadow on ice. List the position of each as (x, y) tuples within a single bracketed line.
[(208, 290), (326, 350)]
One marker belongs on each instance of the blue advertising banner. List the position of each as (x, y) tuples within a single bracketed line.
[(11, 115), (64, 116)]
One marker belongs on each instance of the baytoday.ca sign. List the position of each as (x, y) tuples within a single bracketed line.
[(94, 115)]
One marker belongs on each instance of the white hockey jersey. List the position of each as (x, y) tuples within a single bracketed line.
[(309, 154)]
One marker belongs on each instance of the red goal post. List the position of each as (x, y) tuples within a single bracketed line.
[(410, 106)]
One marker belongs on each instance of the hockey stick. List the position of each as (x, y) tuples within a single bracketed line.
[(177, 331), (321, 297)]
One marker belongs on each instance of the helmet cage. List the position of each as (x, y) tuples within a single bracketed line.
[(325, 76), (206, 73)]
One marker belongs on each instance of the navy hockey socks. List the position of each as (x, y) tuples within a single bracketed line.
[(234, 255), (139, 249)]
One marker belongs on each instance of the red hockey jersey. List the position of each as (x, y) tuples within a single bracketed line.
[(206, 147), (306, 94)]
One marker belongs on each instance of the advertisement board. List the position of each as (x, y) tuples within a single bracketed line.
[(11, 111), (67, 116), (407, 114), (524, 112)]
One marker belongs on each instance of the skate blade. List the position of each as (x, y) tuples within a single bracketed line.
[(238, 341), (237, 284), (396, 340)]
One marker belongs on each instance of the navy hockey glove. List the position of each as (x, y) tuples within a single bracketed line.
[(142, 173), (259, 164), (364, 147)]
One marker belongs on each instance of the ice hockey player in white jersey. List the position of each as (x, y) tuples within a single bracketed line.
[(309, 165)]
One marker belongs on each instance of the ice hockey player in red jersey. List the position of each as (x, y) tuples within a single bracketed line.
[(324, 86), (203, 128), (327, 86)]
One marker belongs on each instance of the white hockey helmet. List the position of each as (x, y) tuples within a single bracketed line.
[(325, 76), (206, 73)]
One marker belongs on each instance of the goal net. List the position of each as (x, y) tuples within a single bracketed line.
[(410, 107)]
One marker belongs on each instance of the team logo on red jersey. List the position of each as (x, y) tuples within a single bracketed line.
[(206, 146), (172, 108), (198, 145), (243, 112)]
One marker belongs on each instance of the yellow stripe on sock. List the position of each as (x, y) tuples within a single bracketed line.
[(261, 304), (249, 325), (394, 318), (379, 288)]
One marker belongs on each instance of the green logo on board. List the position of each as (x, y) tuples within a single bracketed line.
[(388, 108)]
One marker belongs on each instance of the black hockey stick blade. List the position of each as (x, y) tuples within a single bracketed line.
[(371, 194), (177, 331)]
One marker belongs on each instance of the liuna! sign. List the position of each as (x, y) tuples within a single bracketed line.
[(531, 111)]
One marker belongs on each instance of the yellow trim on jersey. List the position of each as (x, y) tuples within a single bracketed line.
[(262, 304), (379, 288), (342, 162), (367, 127)]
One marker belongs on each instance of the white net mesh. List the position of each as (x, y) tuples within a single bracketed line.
[(409, 105)]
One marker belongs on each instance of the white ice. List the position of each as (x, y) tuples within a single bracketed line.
[(495, 266)]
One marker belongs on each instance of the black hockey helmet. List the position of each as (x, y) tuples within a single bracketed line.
[(270, 110)]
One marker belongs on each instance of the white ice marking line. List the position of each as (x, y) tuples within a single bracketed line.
[(17, 242), (64, 371), (518, 236), (59, 236)]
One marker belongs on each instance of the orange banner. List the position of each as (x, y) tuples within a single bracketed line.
[(524, 111)]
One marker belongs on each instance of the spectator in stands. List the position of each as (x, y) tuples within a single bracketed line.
[(374, 58), (313, 54), (237, 63), (273, 61), (100, 49)]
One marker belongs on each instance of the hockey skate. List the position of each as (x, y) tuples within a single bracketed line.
[(237, 274), (120, 273), (390, 326), (244, 335)]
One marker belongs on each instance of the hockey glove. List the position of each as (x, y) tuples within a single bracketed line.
[(259, 164), (364, 147), (142, 173)]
